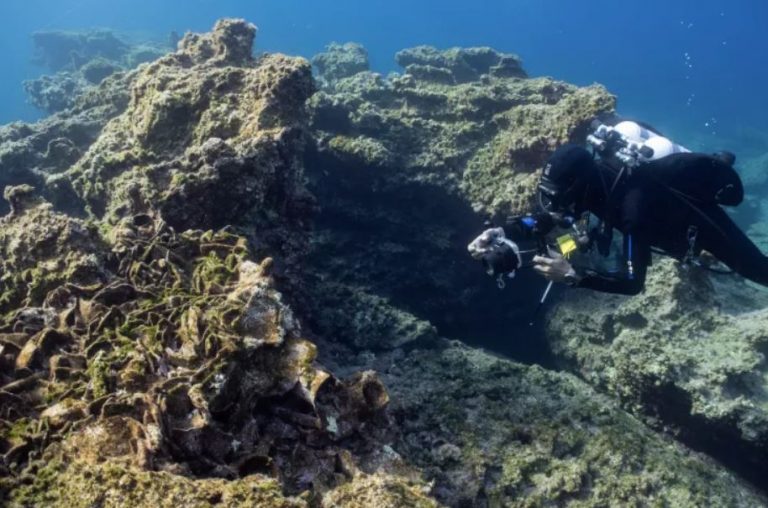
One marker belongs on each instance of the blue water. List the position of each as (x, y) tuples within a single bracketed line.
[(696, 69)]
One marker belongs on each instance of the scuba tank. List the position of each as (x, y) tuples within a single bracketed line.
[(630, 143), (695, 177), (661, 146)]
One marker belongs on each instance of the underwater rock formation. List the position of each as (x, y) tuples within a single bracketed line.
[(31, 153), (464, 137), (59, 50), (340, 61), (209, 135), (406, 167), (56, 93), (491, 432), (458, 65), (134, 351), (80, 60), (68, 51), (689, 354), (173, 332), (754, 173), (42, 250), (177, 355)]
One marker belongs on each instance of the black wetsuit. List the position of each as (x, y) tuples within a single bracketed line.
[(649, 215)]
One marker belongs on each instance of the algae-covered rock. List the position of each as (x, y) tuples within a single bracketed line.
[(379, 490), (459, 65), (340, 61), (462, 138), (184, 359), (208, 135), (174, 357), (29, 153), (230, 43), (689, 353), (41, 249), (68, 482), (754, 210), (61, 50), (56, 93), (366, 321), (406, 168), (491, 432), (71, 480), (80, 60), (97, 69)]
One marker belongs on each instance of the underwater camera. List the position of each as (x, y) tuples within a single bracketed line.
[(501, 256)]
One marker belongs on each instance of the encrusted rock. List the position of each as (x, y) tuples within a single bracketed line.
[(209, 135), (58, 50), (97, 69), (230, 43), (31, 153), (490, 432), (461, 64), (379, 490), (183, 357), (340, 61), (42, 249), (56, 93), (406, 169), (689, 354), (80, 60)]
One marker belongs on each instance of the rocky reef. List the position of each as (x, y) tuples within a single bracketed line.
[(32, 153), (491, 432), (79, 61), (689, 355), (225, 282), (173, 353), (129, 347), (406, 168)]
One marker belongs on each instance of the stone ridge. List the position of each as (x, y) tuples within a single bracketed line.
[(459, 65), (465, 134)]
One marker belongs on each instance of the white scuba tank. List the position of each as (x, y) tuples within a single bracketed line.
[(640, 136)]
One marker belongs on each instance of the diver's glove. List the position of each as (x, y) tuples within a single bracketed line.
[(556, 268)]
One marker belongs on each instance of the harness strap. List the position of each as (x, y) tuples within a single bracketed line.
[(691, 236)]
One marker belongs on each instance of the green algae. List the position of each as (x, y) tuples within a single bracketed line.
[(690, 350), (63, 484), (526, 437)]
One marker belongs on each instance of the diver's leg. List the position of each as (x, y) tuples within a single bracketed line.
[(727, 242)]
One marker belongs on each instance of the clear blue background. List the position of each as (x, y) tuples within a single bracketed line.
[(637, 49)]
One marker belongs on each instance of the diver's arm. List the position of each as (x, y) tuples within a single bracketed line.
[(630, 280)]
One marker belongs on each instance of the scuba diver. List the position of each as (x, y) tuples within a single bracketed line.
[(660, 196)]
